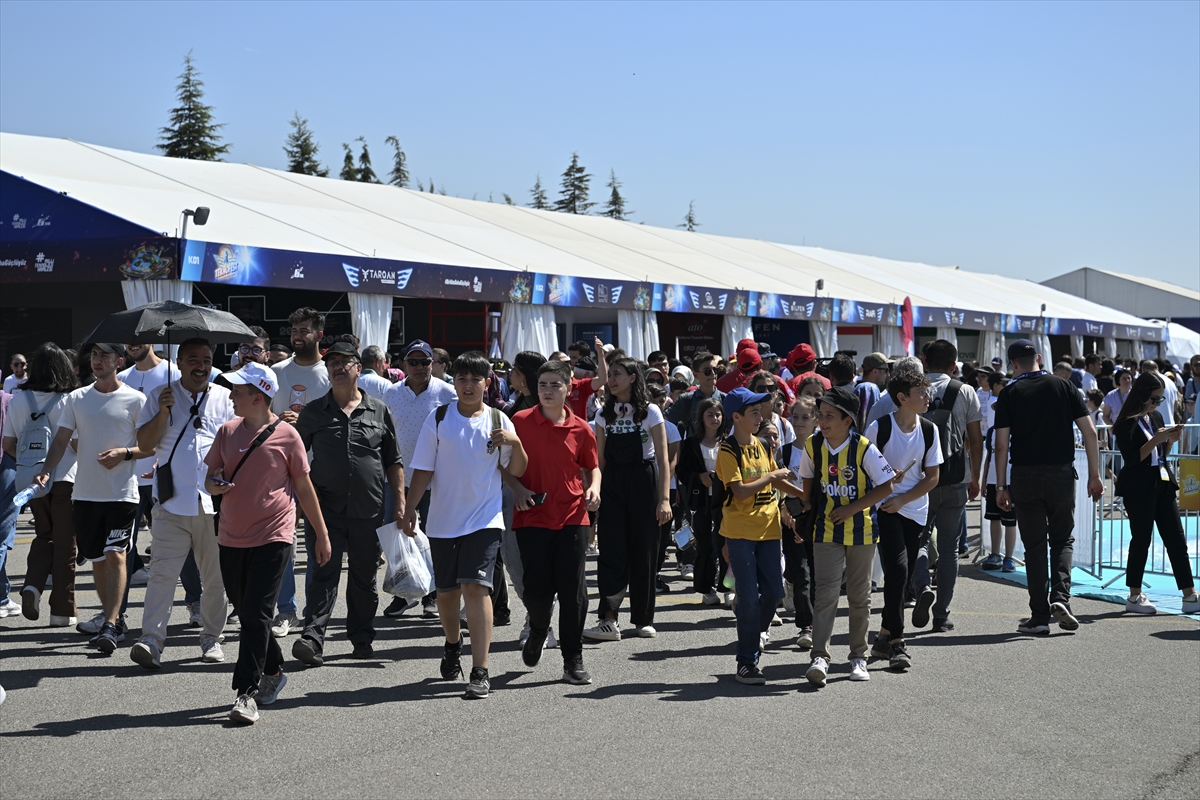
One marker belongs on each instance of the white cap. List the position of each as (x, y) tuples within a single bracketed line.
[(256, 375)]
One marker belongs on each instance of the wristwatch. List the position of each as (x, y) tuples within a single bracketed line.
[(128, 454), (1000, 488)]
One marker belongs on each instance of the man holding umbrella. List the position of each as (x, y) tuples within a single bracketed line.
[(103, 416)]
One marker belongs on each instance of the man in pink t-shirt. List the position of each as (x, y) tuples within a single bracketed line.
[(257, 520)]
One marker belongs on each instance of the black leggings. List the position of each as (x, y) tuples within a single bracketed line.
[(798, 566), (899, 543), (1146, 510), (628, 535), (710, 564)]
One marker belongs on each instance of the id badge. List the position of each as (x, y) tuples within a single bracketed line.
[(1163, 474)]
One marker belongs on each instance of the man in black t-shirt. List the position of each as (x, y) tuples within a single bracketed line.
[(1036, 410)]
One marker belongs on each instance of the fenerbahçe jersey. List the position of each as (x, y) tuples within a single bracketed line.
[(840, 478)]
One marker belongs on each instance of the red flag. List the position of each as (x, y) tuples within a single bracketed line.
[(906, 326)]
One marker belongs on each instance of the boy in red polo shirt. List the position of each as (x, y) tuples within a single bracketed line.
[(553, 534)]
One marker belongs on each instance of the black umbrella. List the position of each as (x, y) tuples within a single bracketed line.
[(156, 323)]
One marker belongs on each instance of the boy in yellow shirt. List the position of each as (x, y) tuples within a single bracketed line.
[(750, 525)]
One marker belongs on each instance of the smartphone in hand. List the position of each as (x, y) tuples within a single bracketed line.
[(537, 499)]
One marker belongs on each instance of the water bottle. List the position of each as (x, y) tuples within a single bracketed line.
[(25, 495)]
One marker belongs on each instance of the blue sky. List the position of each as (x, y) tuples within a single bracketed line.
[(1026, 139)]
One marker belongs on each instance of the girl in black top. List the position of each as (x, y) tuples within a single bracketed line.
[(704, 495), (1149, 490)]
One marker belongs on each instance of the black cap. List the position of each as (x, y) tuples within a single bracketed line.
[(842, 399), (585, 364), (109, 347), (342, 349), (1021, 349)]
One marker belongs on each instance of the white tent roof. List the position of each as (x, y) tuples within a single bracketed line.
[(274, 209), (1183, 344)]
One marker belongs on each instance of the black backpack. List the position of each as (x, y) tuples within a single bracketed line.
[(737, 454), (954, 451), (885, 435)]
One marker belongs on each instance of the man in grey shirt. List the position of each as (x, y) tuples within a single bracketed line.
[(948, 500)]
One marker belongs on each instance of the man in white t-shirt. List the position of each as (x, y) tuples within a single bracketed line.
[(460, 457), (148, 374), (302, 379), (411, 401), (910, 444), (103, 417), (178, 425), (18, 365), (373, 378)]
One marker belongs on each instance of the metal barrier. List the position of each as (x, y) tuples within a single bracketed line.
[(1110, 534)]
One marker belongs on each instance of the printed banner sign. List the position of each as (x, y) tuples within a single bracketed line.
[(148, 258)]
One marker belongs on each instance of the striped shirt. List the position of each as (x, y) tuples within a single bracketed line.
[(846, 473)]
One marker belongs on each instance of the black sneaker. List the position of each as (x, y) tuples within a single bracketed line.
[(452, 661), (899, 658), (1032, 626), (305, 650), (501, 617), (106, 639), (920, 615), (363, 650), (661, 587), (750, 674), (531, 653), (942, 626), (429, 607), (479, 686), (1062, 614), (398, 606), (882, 647), (575, 674)]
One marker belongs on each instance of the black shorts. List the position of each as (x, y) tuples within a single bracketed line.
[(101, 527), (992, 511), (464, 559)]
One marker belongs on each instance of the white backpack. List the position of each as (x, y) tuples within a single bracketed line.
[(33, 445)]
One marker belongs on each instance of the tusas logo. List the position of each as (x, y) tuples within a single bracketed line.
[(402, 278), (352, 273), (601, 294), (43, 264)]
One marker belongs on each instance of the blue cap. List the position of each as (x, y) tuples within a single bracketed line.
[(739, 398), (1021, 349)]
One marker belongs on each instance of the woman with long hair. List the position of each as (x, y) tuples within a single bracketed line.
[(635, 500), (52, 552), (705, 495), (1150, 490)]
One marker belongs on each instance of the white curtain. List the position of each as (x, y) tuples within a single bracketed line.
[(824, 336), (733, 330), (949, 334), (1042, 342), (140, 293), (1077, 347), (887, 340), (527, 327), (1138, 353), (991, 344), (371, 315), (637, 332), (1110, 347)]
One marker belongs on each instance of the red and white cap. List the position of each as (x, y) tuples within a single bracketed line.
[(256, 375)]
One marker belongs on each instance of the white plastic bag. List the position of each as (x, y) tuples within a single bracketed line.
[(409, 564)]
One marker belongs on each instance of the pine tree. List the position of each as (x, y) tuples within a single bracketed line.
[(508, 201), (420, 186), (192, 132), (399, 176), (431, 189), (539, 196), (301, 149), (573, 197), (365, 173), (689, 219), (349, 171), (615, 207)]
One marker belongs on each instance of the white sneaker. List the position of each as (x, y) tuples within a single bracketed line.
[(711, 599), (57, 621), (763, 639), (817, 671), (147, 654), (1191, 605), (244, 710), (551, 642), (1140, 605), (687, 572), (730, 600), (140, 578), (91, 626), (283, 624), (607, 630), (646, 632), (524, 637), (804, 640), (195, 620), (789, 598), (8, 608), (210, 650), (776, 620), (858, 670)]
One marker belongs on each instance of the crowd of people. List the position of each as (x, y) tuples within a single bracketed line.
[(776, 481)]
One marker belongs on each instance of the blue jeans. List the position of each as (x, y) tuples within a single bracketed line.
[(758, 571), (8, 518)]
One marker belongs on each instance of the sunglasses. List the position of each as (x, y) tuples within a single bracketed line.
[(708, 371), (1157, 398), (414, 362)]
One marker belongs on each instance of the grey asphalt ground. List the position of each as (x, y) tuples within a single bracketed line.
[(1109, 711)]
